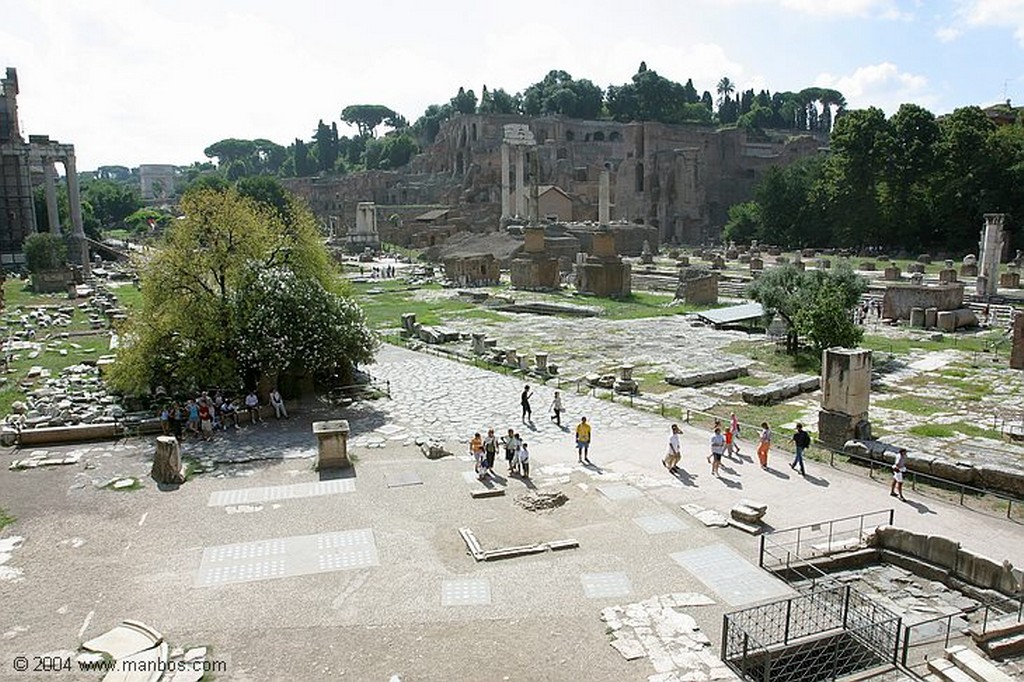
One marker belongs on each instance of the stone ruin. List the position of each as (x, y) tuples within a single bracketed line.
[(1017, 349), (534, 268), (697, 286), (845, 396), (473, 270), (603, 273), (411, 329), (365, 235), (991, 248)]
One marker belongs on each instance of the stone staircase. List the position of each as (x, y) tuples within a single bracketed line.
[(960, 664), (1002, 638)]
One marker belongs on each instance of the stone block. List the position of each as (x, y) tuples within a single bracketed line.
[(892, 274), (868, 266), (1017, 348), (1010, 280), (946, 321), (835, 429), (781, 390), (846, 381), (930, 317), (969, 270), (756, 264), (947, 276), (167, 462), (917, 317), (924, 259), (1000, 478), (702, 378), (332, 444)]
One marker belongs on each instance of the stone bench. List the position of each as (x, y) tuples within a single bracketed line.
[(694, 379)]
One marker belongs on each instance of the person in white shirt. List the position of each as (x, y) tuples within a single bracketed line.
[(252, 406), (674, 454), (717, 450)]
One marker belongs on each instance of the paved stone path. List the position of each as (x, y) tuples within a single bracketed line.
[(447, 400)]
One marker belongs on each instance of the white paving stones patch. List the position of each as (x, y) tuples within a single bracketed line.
[(466, 592), (402, 478), (659, 523), (7, 547), (275, 493), (619, 491), (284, 557), (731, 576), (606, 585), (669, 638)]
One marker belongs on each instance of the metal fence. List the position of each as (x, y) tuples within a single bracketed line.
[(792, 549), (824, 634)]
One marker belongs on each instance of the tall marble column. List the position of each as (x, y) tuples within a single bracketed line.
[(50, 184), (520, 181), (506, 184), (75, 202)]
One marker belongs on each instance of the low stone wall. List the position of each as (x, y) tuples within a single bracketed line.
[(694, 379), (950, 559), (899, 299), (778, 391), (993, 477)]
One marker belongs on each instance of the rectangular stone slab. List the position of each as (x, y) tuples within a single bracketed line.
[(275, 493), (735, 579), (285, 557)]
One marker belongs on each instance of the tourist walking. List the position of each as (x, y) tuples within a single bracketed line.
[(524, 400), (177, 418), (802, 441), (674, 454), (899, 468), (734, 434), (490, 449), (717, 450), (523, 457), (193, 416), (476, 449), (252, 406), (205, 419), (556, 408), (511, 443), (764, 444), (583, 441)]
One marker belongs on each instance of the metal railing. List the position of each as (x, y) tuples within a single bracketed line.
[(793, 548), (823, 634)]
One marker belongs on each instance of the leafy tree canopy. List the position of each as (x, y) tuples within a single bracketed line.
[(366, 117), (44, 251), (189, 330)]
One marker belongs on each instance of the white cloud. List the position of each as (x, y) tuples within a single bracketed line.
[(881, 85), (999, 13), (947, 34), (885, 9)]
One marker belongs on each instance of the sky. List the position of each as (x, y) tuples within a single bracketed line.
[(157, 81)]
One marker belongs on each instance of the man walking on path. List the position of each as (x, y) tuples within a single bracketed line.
[(524, 400), (734, 435), (673, 456), (583, 441), (899, 468), (802, 440), (511, 442), (717, 450), (556, 407), (764, 444)]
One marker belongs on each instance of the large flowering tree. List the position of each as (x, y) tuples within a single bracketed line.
[(238, 289)]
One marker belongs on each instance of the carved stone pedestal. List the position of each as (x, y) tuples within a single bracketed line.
[(167, 461), (332, 444)]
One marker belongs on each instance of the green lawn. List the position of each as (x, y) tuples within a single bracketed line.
[(5, 518), (128, 296), (912, 405), (992, 342)]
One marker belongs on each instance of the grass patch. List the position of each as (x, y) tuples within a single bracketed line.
[(776, 360), (128, 296), (976, 431), (932, 430), (5, 518), (750, 380), (653, 383), (991, 342), (911, 405), (638, 305)]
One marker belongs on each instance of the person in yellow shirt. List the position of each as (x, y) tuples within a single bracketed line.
[(476, 449), (583, 441)]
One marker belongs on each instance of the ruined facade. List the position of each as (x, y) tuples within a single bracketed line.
[(680, 180), (21, 163)]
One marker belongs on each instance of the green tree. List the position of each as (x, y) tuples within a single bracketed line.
[(187, 332), (724, 89), (464, 102), (744, 223), (111, 201), (808, 302), (558, 93), (230, 150), (44, 251), (499, 102), (366, 117)]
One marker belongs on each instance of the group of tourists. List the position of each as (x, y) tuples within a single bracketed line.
[(201, 416), (485, 450)]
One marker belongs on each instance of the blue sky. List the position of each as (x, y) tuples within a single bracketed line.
[(156, 81)]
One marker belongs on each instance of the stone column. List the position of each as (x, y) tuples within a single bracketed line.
[(1017, 350), (167, 461), (52, 212), (75, 202), (506, 184), (332, 444), (520, 182), (991, 251), (845, 396), (604, 198), (541, 361)]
